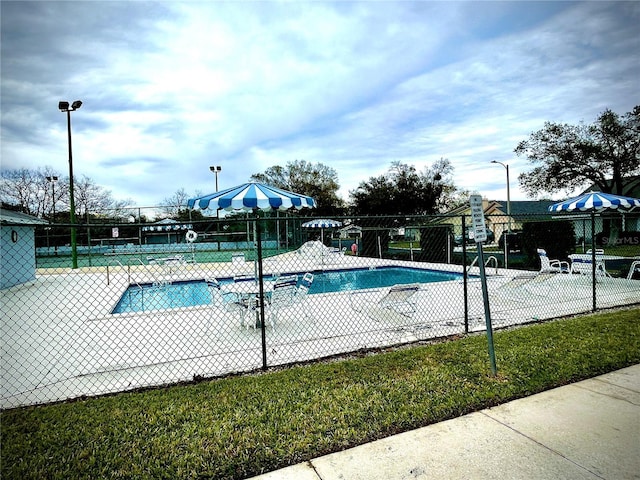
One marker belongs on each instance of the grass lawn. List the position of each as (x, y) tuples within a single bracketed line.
[(237, 427)]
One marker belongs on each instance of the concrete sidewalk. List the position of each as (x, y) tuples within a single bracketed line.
[(587, 430)]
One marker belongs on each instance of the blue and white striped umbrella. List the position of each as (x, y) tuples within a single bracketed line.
[(595, 201), (322, 223), (252, 196)]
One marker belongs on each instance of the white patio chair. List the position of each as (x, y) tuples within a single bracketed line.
[(585, 266), (283, 296), (302, 292), (227, 301), (551, 266)]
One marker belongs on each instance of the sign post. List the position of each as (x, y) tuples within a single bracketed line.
[(480, 235)]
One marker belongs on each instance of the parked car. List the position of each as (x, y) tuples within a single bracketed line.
[(514, 241)]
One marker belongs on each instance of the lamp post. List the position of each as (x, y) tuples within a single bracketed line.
[(64, 107), (508, 195), (52, 180), (216, 170)]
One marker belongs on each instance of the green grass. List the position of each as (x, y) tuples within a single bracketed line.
[(241, 426)]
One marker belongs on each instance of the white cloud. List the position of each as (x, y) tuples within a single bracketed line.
[(171, 88)]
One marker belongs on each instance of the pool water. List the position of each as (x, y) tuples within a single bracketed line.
[(145, 297), (344, 280), (191, 293)]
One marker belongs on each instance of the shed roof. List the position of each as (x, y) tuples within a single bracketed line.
[(9, 217)]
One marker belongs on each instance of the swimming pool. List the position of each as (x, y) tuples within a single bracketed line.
[(191, 293)]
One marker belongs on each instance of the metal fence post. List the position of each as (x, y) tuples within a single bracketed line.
[(465, 277)]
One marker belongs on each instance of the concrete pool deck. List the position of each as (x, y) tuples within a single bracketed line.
[(60, 340)]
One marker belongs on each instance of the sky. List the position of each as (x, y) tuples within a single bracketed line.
[(171, 88)]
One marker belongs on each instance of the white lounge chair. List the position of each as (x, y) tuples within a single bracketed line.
[(551, 266), (522, 287), (320, 253), (397, 304), (635, 267)]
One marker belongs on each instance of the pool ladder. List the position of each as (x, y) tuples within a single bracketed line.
[(491, 259)]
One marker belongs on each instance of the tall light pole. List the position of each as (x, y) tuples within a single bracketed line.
[(52, 180), (64, 107), (216, 170), (508, 194)]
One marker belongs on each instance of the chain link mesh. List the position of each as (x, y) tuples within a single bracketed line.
[(172, 306)]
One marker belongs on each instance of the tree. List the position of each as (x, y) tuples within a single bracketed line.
[(32, 193), (314, 179), (568, 157), (172, 206), (404, 191), (92, 199)]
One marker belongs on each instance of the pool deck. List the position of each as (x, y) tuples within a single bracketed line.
[(55, 348)]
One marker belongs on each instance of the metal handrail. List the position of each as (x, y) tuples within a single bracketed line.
[(486, 263)]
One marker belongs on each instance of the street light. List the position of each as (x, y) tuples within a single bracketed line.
[(508, 194), (216, 170), (64, 107), (52, 180)]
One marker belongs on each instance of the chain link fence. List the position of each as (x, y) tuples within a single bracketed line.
[(151, 305)]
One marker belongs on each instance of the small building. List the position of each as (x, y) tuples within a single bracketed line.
[(498, 221), (17, 242), (165, 231)]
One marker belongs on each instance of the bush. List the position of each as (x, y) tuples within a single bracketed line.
[(370, 239), (434, 242), (556, 237)]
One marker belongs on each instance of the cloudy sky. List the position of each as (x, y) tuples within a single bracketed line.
[(170, 88)]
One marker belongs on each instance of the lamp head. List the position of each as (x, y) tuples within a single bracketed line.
[(63, 106), (76, 105)]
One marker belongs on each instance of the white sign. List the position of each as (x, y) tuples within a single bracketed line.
[(477, 219), (115, 233)]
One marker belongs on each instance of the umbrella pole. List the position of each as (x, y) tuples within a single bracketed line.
[(593, 257), (263, 327)]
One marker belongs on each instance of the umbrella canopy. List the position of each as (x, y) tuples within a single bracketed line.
[(595, 201), (252, 196), (322, 223)]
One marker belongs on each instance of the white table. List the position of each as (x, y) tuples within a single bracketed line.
[(247, 289), (581, 262)]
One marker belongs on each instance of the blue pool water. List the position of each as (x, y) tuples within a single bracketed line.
[(342, 280), (145, 297)]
